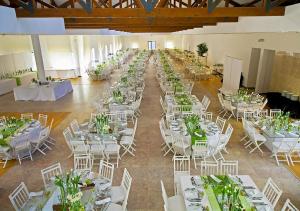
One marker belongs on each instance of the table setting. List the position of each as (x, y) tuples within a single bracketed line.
[(18, 131), (220, 192)]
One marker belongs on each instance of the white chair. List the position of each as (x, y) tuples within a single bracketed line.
[(106, 171), (221, 100), (167, 145), (272, 192), (43, 118), (180, 144), (118, 193), (75, 127), (181, 168), (82, 163), (229, 109), (209, 168), (207, 116), (19, 197), (262, 113), (248, 115), (163, 106), (245, 128), (282, 150), (50, 140), (200, 151), (40, 143), (220, 122), (288, 206), (127, 142), (224, 138), (23, 151), (4, 155), (275, 112), (27, 116), (229, 167), (96, 149), (49, 173), (112, 150), (172, 203), (256, 140)]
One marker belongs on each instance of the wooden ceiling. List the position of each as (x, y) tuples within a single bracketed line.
[(150, 16)]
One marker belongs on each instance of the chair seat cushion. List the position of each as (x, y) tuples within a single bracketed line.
[(176, 203), (281, 147), (260, 137), (114, 207), (126, 140), (112, 148), (80, 148), (117, 194)]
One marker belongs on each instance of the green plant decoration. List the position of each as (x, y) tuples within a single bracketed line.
[(202, 49)]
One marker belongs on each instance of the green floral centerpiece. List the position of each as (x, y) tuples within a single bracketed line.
[(100, 68), (124, 80), (183, 100), (70, 194), (225, 194), (102, 124), (192, 124), (279, 123), (117, 96), (11, 126)]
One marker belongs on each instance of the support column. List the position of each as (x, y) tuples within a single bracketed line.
[(38, 57)]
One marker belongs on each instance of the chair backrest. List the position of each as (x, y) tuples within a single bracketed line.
[(164, 194), (126, 180), (221, 100), (208, 116), (220, 123), (200, 147), (272, 192), (121, 116), (51, 125), (19, 197), (262, 113), (229, 167), (275, 112), (288, 206), (82, 162), (229, 131), (209, 168), (264, 104), (27, 116), (44, 133), (68, 135), (248, 115), (106, 170), (43, 118), (93, 117), (75, 126), (181, 165), (49, 173)]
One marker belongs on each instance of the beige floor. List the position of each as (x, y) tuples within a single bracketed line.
[(149, 166)]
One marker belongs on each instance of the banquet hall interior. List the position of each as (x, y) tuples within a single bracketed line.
[(139, 105)]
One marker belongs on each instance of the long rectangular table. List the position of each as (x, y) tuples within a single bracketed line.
[(51, 92), (210, 201)]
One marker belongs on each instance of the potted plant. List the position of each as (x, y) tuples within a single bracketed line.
[(202, 49)]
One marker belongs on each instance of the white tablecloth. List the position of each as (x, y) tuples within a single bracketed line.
[(7, 85), (51, 92)]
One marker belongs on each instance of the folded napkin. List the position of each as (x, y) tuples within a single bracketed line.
[(103, 201), (33, 194)]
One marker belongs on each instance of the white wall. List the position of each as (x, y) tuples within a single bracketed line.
[(10, 44), (240, 45)]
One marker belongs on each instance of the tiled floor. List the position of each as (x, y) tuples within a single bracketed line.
[(149, 166)]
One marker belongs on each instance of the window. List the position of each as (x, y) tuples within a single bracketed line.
[(151, 45)]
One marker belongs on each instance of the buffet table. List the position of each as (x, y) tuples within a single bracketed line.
[(7, 85), (50, 92)]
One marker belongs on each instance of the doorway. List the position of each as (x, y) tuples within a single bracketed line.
[(151, 45)]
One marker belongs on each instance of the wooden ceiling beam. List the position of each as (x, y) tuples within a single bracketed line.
[(100, 26), (157, 12), (142, 21)]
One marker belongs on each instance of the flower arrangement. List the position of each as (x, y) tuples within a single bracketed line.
[(117, 95), (70, 194), (228, 194), (11, 126), (192, 123), (183, 99), (102, 125), (99, 69)]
